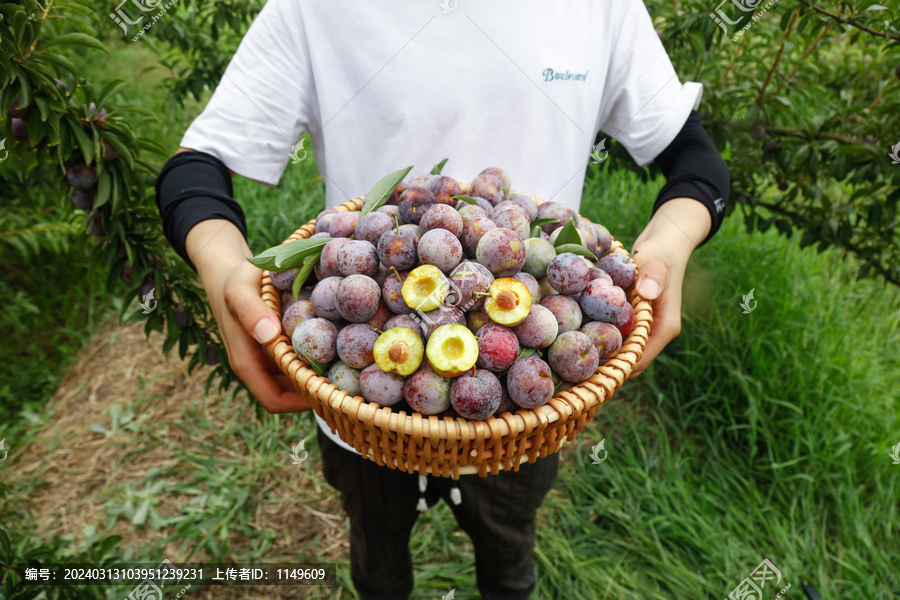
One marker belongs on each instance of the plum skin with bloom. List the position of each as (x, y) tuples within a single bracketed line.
[(539, 329), (355, 343), (440, 248), (357, 257), (467, 281), (476, 396), (324, 297), (574, 357), (357, 298), (622, 273), (530, 383), (391, 293), (385, 389), (315, 340), (568, 273), (426, 392), (566, 310), (605, 336), (370, 227), (296, 313), (501, 251), (345, 377), (498, 347), (602, 302)]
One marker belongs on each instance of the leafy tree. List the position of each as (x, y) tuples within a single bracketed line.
[(802, 99), (62, 131)]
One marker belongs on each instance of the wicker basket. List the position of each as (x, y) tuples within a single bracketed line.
[(450, 447)]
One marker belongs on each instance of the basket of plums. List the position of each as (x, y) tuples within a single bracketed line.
[(452, 328)]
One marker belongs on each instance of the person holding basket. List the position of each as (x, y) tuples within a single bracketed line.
[(526, 86)]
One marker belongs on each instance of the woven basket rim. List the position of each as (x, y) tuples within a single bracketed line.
[(581, 398)]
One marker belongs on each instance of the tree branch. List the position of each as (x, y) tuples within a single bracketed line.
[(813, 47), (822, 135), (737, 51), (860, 252), (884, 34), (787, 34)]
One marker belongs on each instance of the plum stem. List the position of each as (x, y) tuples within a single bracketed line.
[(630, 257), (394, 269), (397, 223)]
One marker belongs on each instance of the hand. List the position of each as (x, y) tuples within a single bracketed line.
[(663, 250), (660, 280), (220, 253)]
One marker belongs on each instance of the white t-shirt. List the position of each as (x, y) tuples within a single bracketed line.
[(524, 85)]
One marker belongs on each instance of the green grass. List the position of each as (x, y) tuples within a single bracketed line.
[(49, 304), (751, 436), (759, 435)]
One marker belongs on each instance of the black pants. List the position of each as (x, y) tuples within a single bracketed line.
[(497, 512)]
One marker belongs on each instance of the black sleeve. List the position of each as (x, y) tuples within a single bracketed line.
[(194, 187), (695, 169)]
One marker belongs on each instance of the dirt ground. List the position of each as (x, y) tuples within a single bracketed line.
[(77, 464)]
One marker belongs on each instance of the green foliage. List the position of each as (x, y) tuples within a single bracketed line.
[(568, 236), (74, 121), (436, 170), (804, 105), (19, 547), (196, 39)]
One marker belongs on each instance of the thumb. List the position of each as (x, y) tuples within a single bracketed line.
[(652, 278), (254, 315)]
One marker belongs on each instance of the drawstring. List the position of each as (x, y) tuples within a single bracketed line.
[(422, 506)]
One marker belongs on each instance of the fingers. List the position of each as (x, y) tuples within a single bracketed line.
[(653, 275), (653, 284), (245, 322), (666, 327), (252, 364), (243, 300)]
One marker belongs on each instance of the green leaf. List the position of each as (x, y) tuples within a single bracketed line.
[(75, 39), (36, 128), (108, 90), (57, 61), (140, 515), (294, 252), (292, 255), (439, 167), (319, 368), (309, 263), (535, 232), (120, 146), (786, 18), (468, 199), (383, 189), (542, 222), (87, 146), (104, 185), (525, 353), (24, 92), (43, 107), (265, 259), (568, 235), (575, 249)]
